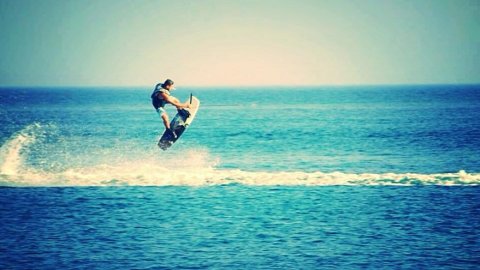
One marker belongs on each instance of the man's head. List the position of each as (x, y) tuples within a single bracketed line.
[(168, 84)]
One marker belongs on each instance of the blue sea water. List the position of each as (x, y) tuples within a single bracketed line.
[(264, 178)]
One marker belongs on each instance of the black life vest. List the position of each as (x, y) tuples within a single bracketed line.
[(157, 99)]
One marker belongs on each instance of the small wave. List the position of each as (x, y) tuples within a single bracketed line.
[(189, 168)]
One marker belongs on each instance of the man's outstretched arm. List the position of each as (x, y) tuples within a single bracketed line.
[(175, 102)]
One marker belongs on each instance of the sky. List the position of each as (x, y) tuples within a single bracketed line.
[(239, 43)]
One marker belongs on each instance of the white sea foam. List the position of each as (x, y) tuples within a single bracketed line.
[(11, 158), (190, 168)]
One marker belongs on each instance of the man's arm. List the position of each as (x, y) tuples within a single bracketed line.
[(174, 101)]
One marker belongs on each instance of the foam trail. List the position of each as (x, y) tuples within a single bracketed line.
[(150, 174)]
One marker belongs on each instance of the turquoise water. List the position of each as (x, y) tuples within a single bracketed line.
[(282, 178), (240, 227)]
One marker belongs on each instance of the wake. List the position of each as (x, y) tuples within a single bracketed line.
[(189, 168)]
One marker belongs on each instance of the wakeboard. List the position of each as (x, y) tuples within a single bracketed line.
[(179, 124)]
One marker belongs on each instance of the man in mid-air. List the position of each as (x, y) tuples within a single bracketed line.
[(160, 97)]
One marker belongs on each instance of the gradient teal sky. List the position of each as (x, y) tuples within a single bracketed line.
[(124, 43)]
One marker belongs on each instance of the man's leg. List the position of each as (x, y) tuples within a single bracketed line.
[(166, 121), (184, 113), (163, 114)]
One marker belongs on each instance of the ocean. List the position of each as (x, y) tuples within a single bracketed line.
[(332, 177)]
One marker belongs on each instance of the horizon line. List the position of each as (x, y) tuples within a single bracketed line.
[(244, 86)]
